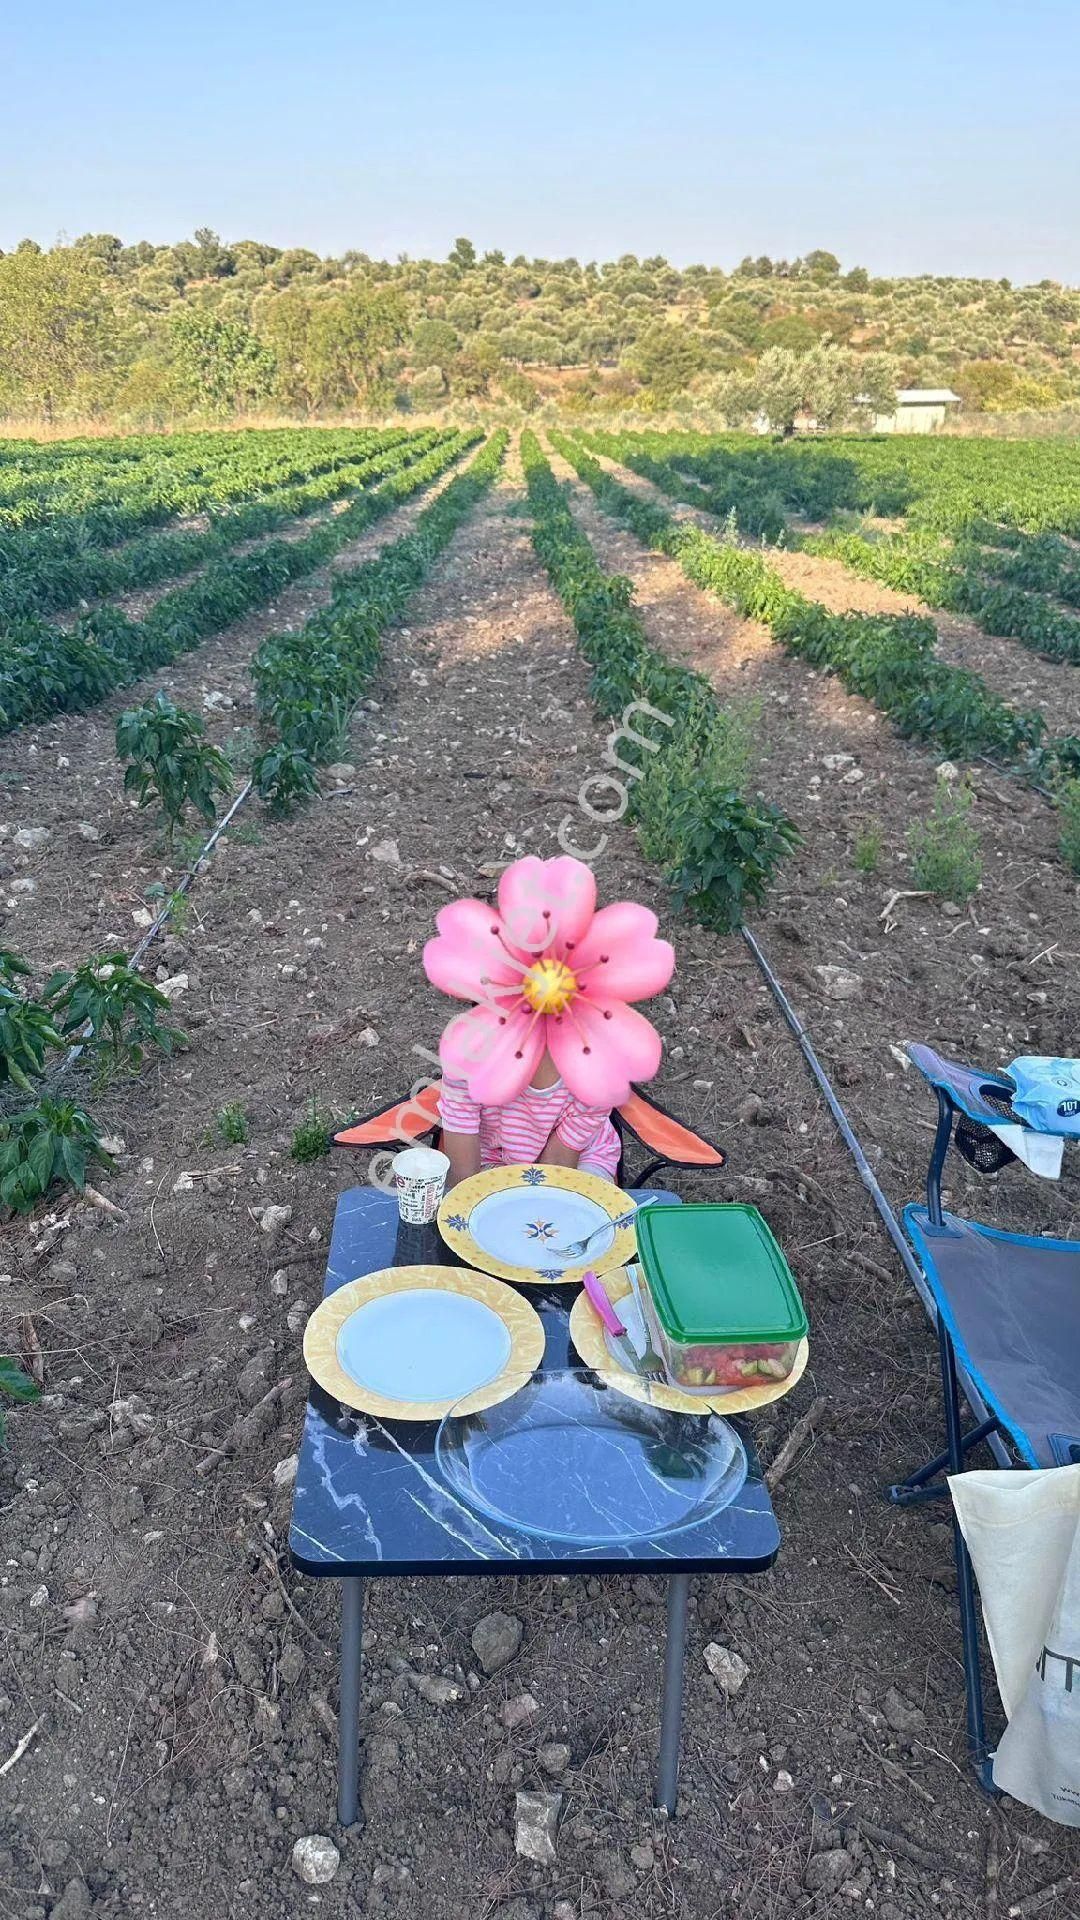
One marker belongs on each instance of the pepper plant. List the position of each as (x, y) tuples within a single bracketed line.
[(171, 762), (14, 1385), (122, 1010), (27, 1029), (54, 1141)]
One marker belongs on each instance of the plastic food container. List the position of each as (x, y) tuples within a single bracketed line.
[(725, 1309)]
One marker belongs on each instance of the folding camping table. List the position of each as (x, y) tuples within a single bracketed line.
[(1007, 1311), (370, 1503)]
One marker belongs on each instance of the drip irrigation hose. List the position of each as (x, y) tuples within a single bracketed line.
[(183, 886), (847, 1133), (869, 1179)]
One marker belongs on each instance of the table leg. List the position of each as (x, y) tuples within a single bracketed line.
[(667, 1784), (352, 1627)]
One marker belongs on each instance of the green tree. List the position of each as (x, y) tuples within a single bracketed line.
[(284, 326), (463, 255), (665, 359), (434, 342), (349, 340), (822, 265), (219, 365), (518, 390), (57, 325)]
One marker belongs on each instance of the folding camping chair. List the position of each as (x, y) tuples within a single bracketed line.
[(1007, 1308), (666, 1139)]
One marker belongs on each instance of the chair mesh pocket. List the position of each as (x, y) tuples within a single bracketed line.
[(981, 1148)]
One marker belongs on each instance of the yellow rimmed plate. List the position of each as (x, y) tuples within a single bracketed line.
[(587, 1335), (510, 1220), (409, 1343)]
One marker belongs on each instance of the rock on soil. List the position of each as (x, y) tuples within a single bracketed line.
[(316, 1859), (827, 1872), (728, 1669), (537, 1817), (496, 1639)]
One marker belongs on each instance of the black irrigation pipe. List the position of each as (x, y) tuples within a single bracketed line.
[(183, 886), (868, 1177)]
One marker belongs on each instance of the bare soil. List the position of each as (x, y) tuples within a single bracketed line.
[(180, 1677)]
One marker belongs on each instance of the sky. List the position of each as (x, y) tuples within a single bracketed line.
[(925, 138)]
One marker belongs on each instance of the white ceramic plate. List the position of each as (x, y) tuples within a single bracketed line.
[(514, 1220), (408, 1343), (423, 1346)]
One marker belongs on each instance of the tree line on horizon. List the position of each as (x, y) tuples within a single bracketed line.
[(148, 335)]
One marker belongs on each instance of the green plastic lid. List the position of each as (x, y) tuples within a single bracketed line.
[(718, 1274)]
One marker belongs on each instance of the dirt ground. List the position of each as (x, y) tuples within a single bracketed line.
[(179, 1677)]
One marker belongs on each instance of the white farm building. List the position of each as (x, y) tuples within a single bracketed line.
[(918, 410)]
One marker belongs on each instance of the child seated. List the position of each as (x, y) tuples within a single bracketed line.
[(544, 1122), (534, 1067)]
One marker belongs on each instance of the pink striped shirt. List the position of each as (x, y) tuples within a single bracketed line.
[(518, 1133)]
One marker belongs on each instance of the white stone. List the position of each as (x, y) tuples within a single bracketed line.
[(31, 838), (39, 1597), (275, 1219), (387, 852), (316, 1859), (836, 761), (838, 983), (176, 984), (284, 1473), (783, 1783), (728, 1669), (537, 1818)]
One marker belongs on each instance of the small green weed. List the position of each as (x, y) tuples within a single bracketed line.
[(1068, 803), (231, 1125), (311, 1139), (868, 845), (246, 835), (945, 855)]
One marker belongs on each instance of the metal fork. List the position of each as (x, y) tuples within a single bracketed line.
[(652, 1361), (578, 1247)]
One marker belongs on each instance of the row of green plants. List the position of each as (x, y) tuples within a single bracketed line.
[(939, 484), (46, 669), (60, 565), (720, 844), (111, 495), (105, 1005), (1006, 593), (308, 682), (887, 659), (964, 577), (758, 481)]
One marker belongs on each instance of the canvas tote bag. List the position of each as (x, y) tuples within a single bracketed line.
[(1023, 1533)]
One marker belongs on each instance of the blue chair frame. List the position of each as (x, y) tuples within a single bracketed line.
[(968, 1102)]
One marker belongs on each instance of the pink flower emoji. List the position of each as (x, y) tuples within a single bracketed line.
[(547, 970)]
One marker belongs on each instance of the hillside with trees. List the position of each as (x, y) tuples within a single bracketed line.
[(148, 335)]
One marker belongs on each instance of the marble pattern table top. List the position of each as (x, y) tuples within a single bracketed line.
[(369, 1497)]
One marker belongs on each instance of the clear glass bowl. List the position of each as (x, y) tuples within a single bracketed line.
[(567, 1458)]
